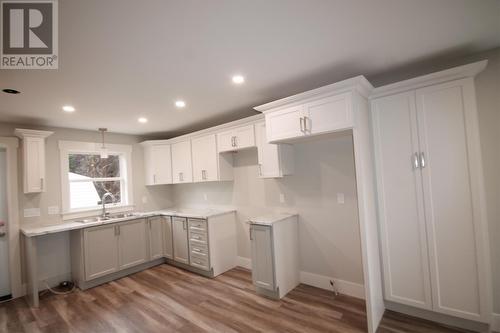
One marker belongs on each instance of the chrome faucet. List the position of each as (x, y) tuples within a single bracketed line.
[(103, 201)]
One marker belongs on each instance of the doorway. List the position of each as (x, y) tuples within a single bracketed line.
[(5, 291)]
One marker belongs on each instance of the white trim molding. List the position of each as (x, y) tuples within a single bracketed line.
[(344, 287), (495, 322), (319, 281), (455, 73), (67, 147), (244, 262)]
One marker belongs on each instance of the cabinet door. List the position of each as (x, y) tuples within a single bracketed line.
[(181, 247), (182, 171), (205, 158), (400, 201), (132, 243), (285, 124), (452, 213), (168, 237), (267, 154), (34, 159), (162, 164), (262, 256), (101, 251), (155, 227), (244, 137), (329, 114), (225, 141)]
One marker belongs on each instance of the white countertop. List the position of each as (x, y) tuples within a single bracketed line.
[(38, 229), (270, 219)]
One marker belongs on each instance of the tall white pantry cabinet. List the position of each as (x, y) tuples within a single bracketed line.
[(432, 218)]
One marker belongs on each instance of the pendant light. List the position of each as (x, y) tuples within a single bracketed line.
[(103, 151)]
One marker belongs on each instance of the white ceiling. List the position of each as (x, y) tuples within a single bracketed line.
[(121, 59)]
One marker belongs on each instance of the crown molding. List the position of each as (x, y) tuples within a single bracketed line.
[(29, 133)]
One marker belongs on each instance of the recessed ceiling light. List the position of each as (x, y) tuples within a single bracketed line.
[(11, 91), (68, 108), (142, 120), (180, 104), (238, 79)]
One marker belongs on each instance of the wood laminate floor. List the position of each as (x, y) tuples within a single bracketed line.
[(168, 299)]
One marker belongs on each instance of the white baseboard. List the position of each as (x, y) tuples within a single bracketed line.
[(495, 325), (319, 281), (344, 287), (244, 262)]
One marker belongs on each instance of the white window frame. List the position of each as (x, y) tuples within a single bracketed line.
[(74, 147)]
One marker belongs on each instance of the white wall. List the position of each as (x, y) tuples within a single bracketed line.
[(54, 263), (329, 232)]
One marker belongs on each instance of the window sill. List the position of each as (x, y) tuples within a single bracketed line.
[(76, 214)]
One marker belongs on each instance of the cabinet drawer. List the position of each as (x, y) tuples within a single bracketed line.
[(198, 237), (199, 249), (199, 262), (197, 225)]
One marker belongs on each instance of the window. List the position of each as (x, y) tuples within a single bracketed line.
[(90, 176), (86, 177)]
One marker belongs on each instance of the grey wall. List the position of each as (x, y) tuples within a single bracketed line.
[(329, 232), (488, 100), (54, 249)]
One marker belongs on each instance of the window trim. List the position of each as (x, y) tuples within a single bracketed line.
[(72, 147)]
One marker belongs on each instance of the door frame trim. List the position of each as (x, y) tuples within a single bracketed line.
[(11, 145)]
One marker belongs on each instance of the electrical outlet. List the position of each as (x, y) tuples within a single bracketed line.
[(31, 212), (205, 197), (144, 199), (340, 198), (282, 198)]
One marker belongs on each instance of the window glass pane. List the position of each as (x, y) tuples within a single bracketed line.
[(88, 193), (94, 166)]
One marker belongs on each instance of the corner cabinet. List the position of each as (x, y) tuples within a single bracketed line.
[(208, 164), (33, 147), (430, 191), (157, 163)]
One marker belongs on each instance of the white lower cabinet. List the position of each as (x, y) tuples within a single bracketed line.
[(180, 236), (100, 251), (132, 243), (156, 227), (428, 166), (275, 253)]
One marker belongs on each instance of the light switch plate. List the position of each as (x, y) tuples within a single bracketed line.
[(340, 198), (31, 212), (144, 199), (53, 210)]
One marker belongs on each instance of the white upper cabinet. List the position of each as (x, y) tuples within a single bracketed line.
[(236, 138), (157, 164), (208, 165), (324, 110), (182, 168), (33, 159), (328, 114), (275, 160)]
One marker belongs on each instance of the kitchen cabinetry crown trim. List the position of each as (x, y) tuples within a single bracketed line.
[(358, 83), (455, 73), (23, 133)]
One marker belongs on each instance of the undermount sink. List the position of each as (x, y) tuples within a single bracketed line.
[(107, 218)]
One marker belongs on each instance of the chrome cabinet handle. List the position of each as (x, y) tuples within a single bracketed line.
[(301, 124), (415, 161), (305, 124), (197, 250), (422, 160), (251, 238), (236, 141), (233, 141)]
